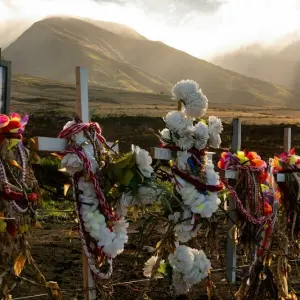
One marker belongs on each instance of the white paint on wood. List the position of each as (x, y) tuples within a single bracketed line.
[(287, 139), (231, 246), (230, 174), (59, 145), (280, 177), (82, 94), (50, 144), (166, 154)]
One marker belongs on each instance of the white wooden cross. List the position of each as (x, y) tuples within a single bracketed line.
[(59, 145)]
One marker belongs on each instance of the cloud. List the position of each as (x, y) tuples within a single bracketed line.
[(202, 28)]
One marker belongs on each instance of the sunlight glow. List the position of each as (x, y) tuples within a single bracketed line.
[(235, 23)]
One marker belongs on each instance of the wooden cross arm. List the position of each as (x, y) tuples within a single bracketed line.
[(58, 145), (166, 154), (232, 174)]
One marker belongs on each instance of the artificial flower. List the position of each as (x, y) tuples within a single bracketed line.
[(182, 260), (185, 143), (195, 101), (86, 187), (72, 163), (149, 265), (69, 124), (212, 178), (144, 161), (201, 135), (182, 160), (215, 128), (179, 285), (177, 121), (166, 135)]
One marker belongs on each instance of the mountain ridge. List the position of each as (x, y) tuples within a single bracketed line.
[(52, 47)]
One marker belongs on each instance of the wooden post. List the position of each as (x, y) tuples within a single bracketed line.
[(5, 85), (82, 110), (231, 246), (287, 139)]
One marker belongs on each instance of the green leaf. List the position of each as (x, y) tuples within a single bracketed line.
[(127, 177), (123, 162), (162, 268)]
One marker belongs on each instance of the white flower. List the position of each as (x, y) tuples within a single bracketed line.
[(149, 265), (182, 159), (182, 260), (212, 177), (86, 187), (147, 195), (120, 226), (179, 285), (194, 100), (144, 161), (184, 229), (72, 163), (177, 121), (89, 152), (205, 205), (166, 135), (185, 143), (215, 128), (193, 276), (202, 263), (188, 193), (69, 124), (201, 135)]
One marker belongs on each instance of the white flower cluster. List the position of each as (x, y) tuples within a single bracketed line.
[(215, 128), (204, 205), (111, 241), (143, 161), (195, 101), (198, 203), (146, 195), (189, 267), (180, 127), (184, 225)]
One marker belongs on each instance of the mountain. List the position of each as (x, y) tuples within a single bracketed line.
[(51, 48), (280, 65)]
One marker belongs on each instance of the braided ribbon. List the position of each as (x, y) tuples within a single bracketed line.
[(78, 127), (94, 270), (107, 210), (68, 133), (249, 217)]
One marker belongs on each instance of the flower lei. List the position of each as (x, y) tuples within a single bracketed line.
[(100, 179), (196, 187), (18, 202), (289, 164), (103, 233)]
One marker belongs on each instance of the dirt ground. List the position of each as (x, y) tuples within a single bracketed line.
[(57, 247), (57, 251)]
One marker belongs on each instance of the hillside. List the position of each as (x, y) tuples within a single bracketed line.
[(281, 66), (52, 47)]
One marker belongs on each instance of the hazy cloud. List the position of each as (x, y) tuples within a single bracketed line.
[(202, 28)]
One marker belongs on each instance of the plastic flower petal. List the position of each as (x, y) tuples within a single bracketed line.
[(4, 120)]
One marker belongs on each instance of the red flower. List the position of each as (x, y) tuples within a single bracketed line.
[(11, 228), (267, 208), (32, 197)]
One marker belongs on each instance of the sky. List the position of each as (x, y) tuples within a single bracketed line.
[(203, 28)]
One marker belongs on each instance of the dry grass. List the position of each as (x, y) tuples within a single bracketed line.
[(41, 96)]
